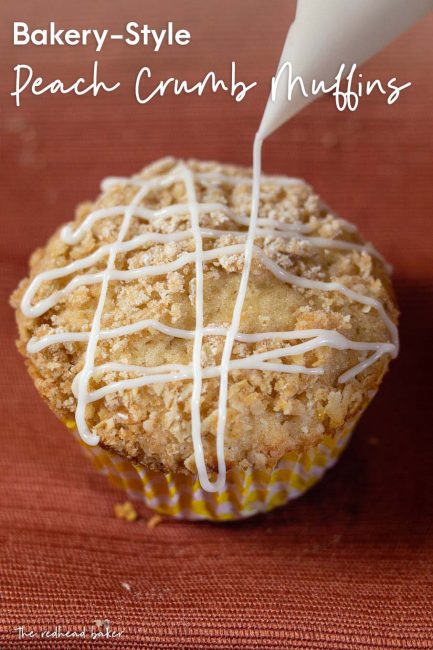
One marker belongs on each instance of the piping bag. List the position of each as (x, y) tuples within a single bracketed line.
[(327, 33)]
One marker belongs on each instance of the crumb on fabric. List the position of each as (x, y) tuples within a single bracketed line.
[(125, 511), (154, 521)]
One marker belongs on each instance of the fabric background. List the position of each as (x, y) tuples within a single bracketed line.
[(348, 566)]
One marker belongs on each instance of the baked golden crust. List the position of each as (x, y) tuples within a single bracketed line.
[(269, 413)]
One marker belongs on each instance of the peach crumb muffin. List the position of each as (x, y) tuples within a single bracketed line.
[(126, 312)]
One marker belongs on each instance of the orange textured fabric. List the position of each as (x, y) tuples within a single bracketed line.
[(349, 565)]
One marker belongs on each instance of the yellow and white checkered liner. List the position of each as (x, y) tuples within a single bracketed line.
[(246, 493)]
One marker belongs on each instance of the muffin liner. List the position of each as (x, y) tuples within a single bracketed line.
[(246, 493)]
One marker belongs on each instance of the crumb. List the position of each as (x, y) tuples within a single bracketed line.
[(154, 521), (125, 511), (126, 586)]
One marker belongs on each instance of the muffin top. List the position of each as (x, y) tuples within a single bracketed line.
[(127, 311)]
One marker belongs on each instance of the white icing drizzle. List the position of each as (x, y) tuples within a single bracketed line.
[(259, 228)]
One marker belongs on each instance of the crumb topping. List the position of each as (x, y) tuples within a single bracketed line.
[(269, 413)]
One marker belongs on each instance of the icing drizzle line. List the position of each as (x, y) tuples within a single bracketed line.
[(258, 227)]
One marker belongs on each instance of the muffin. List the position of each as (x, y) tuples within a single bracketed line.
[(125, 325)]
